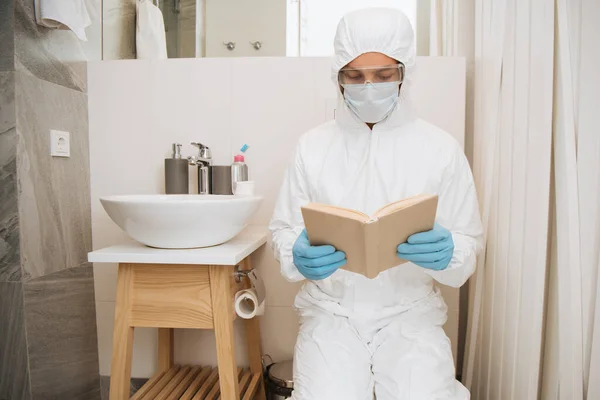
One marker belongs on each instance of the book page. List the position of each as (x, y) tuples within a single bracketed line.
[(402, 204), (339, 211)]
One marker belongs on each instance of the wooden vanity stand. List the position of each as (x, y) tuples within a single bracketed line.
[(168, 289)]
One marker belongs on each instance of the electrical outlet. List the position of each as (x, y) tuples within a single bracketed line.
[(60, 145)]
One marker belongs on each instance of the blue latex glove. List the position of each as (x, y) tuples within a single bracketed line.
[(316, 262), (432, 250)]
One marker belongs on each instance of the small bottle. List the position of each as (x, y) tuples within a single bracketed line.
[(176, 172), (239, 169)]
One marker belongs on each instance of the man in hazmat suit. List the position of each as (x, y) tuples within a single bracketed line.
[(362, 338)]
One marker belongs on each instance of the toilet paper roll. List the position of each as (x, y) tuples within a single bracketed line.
[(247, 305)]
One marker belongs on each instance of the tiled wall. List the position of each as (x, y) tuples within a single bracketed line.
[(47, 314), (138, 108)]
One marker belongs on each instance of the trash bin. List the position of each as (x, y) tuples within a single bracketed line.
[(279, 379)]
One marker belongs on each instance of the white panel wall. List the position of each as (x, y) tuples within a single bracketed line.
[(138, 108)]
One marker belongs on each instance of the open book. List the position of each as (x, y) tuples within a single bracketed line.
[(370, 242)]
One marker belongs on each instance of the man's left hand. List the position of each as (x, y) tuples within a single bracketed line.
[(432, 249)]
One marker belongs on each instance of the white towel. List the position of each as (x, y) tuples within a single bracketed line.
[(63, 14), (150, 38)]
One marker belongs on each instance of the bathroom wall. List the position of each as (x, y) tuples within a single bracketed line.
[(138, 108), (47, 313)]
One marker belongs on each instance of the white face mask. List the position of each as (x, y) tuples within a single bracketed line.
[(372, 102)]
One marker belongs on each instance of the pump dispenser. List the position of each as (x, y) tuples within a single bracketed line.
[(176, 172)]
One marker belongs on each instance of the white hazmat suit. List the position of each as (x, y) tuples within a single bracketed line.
[(382, 336)]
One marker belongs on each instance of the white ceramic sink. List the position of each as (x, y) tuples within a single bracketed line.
[(181, 221)]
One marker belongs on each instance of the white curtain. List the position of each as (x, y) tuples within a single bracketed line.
[(447, 23), (536, 160), (512, 136), (451, 26), (572, 367)]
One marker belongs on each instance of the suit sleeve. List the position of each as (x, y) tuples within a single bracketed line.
[(458, 211), (287, 222)]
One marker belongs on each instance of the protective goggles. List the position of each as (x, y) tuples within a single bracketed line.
[(361, 75)]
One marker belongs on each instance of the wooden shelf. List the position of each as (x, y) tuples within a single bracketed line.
[(194, 383)]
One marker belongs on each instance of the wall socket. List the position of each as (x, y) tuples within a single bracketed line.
[(60, 145)]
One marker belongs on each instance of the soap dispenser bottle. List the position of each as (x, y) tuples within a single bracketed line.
[(176, 172), (239, 169)]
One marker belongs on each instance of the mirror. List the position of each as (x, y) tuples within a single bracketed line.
[(246, 28)]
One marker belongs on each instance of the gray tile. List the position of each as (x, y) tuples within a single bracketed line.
[(134, 386), (7, 31), (118, 36), (54, 55), (10, 262), (60, 316), (54, 196), (105, 387), (7, 101), (14, 377)]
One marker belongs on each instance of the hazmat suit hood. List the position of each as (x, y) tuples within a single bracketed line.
[(381, 30)]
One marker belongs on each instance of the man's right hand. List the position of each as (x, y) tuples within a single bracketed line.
[(316, 262)]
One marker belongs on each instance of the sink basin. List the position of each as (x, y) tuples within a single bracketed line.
[(181, 221)]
